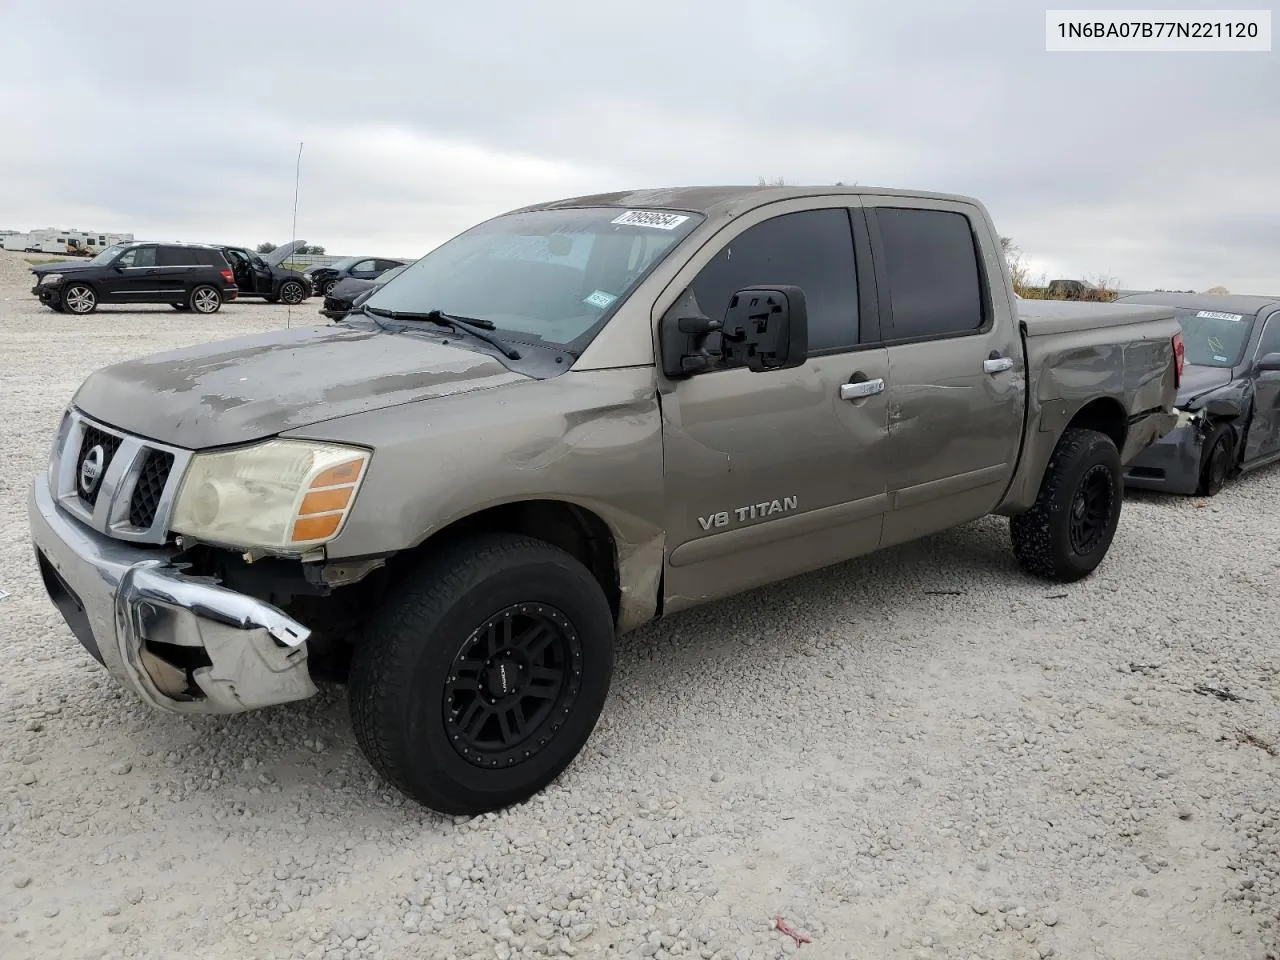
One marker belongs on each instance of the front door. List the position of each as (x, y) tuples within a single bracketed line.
[(136, 278), (775, 473), (1263, 437), (956, 378)]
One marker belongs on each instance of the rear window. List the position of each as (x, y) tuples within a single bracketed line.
[(935, 288)]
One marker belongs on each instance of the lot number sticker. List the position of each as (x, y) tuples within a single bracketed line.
[(1213, 315), (650, 218)]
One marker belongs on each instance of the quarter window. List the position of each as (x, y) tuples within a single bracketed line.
[(813, 250), (935, 288)]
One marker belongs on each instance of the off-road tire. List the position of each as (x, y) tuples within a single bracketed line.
[(75, 297), (400, 671), (1042, 540), (1219, 458), (294, 289), (205, 299)]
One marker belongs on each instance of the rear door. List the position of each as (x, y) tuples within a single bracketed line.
[(956, 371), (180, 268), (775, 473), (1263, 438), (136, 277)]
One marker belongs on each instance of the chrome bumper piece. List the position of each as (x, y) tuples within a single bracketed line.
[(131, 608)]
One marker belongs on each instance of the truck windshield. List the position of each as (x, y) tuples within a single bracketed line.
[(1213, 338), (551, 276)]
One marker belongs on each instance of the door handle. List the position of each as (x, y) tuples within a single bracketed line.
[(997, 364), (863, 388)]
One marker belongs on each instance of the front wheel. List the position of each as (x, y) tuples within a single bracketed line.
[(327, 286), (483, 674), (205, 299), (79, 298), (1069, 530), (1217, 462)]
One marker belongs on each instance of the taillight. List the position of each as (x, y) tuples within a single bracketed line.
[(1179, 358), (230, 277)]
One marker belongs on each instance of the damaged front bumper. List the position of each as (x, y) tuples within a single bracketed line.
[(1173, 463), (184, 644)]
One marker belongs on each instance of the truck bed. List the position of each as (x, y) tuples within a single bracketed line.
[(1044, 318)]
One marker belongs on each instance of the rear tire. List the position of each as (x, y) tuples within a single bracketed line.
[(205, 299), (483, 674), (292, 293), (1218, 461), (1069, 530)]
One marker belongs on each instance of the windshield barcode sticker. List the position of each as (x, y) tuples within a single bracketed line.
[(600, 299), (1214, 315), (650, 218)]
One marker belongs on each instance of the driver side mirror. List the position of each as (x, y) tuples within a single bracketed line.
[(764, 328), (1268, 363)]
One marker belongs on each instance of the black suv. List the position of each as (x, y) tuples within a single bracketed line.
[(260, 275), (190, 276)]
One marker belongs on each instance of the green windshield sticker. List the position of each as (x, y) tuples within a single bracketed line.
[(600, 299)]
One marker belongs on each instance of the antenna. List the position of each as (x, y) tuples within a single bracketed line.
[(297, 180)]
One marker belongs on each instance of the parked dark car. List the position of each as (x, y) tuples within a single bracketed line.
[(348, 294), (190, 276), (260, 274), (323, 279), (1228, 400)]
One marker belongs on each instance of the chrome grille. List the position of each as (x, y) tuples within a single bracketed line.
[(131, 497)]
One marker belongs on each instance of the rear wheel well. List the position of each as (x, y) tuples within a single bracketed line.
[(1106, 416), (574, 529)]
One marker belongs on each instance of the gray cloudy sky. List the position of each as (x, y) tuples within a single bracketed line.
[(181, 120)]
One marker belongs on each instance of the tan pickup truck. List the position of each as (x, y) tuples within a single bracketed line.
[(564, 423)]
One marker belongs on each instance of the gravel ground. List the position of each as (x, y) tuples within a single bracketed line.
[(920, 754)]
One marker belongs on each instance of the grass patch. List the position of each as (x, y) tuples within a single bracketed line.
[(41, 261)]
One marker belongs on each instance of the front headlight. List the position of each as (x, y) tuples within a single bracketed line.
[(283, 495), (51, 278)]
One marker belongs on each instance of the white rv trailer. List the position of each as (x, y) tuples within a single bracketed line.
[(54, 240)]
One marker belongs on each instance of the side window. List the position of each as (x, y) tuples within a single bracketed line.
[(176, 257), (813, 250), (1269, 342), (138, 257), (363, 265), (934, 285), (387, 264)]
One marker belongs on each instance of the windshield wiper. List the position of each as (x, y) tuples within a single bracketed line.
[(469, 324)]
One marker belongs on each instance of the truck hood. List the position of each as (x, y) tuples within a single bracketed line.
[(1197, 381), (249, 388)]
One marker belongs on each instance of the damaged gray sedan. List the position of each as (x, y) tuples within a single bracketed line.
[(1228, 399)]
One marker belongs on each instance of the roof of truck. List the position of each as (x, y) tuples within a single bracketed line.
[(1225, 302), (727, 200)]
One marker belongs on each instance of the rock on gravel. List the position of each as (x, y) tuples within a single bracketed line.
[(990, 771)]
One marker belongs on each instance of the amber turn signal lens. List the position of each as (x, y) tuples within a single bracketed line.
[(316, 528), (336, 476), (322, 501)]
